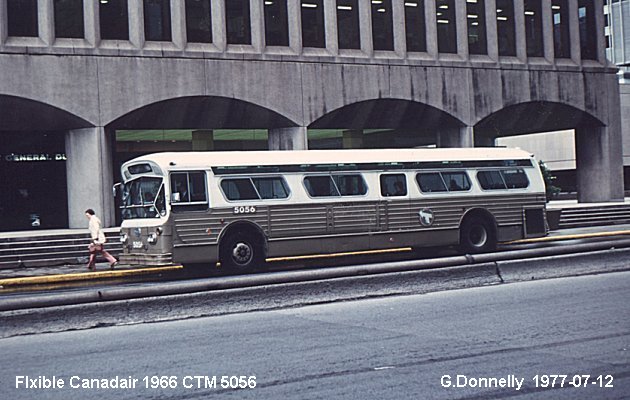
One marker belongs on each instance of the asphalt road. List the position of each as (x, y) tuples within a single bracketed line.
[(402, 347)]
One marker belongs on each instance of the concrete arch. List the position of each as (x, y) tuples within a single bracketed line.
[(390, 113), (24, 114), (533, 117), (599, 174), (201, 112), (407, 123)]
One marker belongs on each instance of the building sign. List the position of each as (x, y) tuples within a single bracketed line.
[(35, 157)]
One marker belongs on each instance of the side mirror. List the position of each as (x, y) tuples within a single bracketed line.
[(115, 189)]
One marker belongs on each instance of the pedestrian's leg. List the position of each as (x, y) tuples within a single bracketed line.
[(110, 258), (92, 261)]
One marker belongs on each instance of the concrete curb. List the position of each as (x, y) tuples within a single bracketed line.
[(83, 276), (444, 273)]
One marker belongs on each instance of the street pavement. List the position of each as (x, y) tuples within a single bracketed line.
[(513, 338)]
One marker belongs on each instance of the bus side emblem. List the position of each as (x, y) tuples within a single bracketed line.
[(426, 217)]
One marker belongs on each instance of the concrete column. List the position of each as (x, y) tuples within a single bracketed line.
[(295, 25), (203, 140), (599, 172), (431, 28), (219, 36), (257, 17), (135, 11), (599, 30), (519, 21), (491, 29), (461, 23), (547, 27), (365, 27), (89, 170), (91, 20), (178, 23), (330, 22), (398, 20), (455, 137), (353, 139), (4, 31), (46, 18), (294, 138), (574, 32)]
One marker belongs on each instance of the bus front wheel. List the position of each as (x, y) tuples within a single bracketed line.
[(477, 236), (242, 252)]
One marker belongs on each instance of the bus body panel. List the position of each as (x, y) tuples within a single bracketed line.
[(304, 225)]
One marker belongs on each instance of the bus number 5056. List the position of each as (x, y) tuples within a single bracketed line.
[(244, 210)]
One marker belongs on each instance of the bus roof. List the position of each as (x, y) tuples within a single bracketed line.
[(169, 160)]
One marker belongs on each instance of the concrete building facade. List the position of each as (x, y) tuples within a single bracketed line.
[(443, 72)]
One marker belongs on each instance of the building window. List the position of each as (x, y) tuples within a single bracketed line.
[(69, 19), (446, 26), (560, 16), (114, 20), (382, 25), (313, 33), (348, 33), (588, 32), (157, 20), (198, 21), (506, 30), (276, 23), (415, 26), (22, 18), (238, 26), (533, 28), (476, 19)]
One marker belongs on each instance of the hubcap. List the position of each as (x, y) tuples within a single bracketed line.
[(241, 253), (478, 236)]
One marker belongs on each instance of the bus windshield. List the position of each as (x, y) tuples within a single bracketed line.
[(143, 197)]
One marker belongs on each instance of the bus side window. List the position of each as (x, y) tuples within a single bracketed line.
[(239, 189), (189, 189), (431, 182), (271, 188), (490, 180), (320, 186), (179, 188), (456, 181), (393, 185), (515, 178), (350, 185)]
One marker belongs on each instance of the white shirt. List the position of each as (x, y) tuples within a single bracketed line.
[(96, 232)]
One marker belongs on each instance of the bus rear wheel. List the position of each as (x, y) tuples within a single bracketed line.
[(477, 236), (242, 252)]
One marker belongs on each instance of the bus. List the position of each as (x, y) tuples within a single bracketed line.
[(241, 208)]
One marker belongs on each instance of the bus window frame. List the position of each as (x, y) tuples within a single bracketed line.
[(251, 178), (330, 176), (386, 174), (180, 206), (500, 171), (448, 190)]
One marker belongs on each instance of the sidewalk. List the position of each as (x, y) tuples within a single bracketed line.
[(79, 272)]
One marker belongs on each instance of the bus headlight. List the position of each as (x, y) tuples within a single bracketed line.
[(123, 238), (152, 238)]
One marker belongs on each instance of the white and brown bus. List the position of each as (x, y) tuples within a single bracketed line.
[(239, 208)]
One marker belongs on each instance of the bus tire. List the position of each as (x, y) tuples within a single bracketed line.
[(477, 236), (242, 252)]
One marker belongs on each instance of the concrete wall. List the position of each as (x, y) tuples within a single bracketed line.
[(194, 86)]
